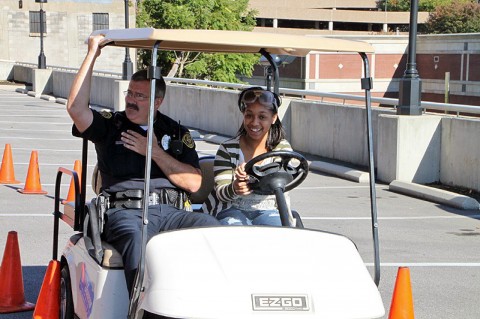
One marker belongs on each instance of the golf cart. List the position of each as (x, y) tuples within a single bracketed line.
[(220, 272)]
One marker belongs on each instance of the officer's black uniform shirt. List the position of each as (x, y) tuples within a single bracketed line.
[(117, 163)]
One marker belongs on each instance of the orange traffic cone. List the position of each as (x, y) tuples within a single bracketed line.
[(402, 300), (77, 167), (7, 173), (32, 184), (12, 298), (48, 302)]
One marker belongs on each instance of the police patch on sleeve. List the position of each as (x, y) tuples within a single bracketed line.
[(106, 114), (187, 140), (166, 142)]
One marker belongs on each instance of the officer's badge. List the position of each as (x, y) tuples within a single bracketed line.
[(106, 114), (187, 140), (166, 142)]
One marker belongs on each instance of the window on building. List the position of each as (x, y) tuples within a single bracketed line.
[(35, 22), (100, 21)]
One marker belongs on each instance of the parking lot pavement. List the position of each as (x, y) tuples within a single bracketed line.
[(439, 243)]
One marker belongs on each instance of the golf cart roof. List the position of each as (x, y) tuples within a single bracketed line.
[(228, 41)]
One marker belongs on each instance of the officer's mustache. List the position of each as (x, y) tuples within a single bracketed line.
[(132, 106)]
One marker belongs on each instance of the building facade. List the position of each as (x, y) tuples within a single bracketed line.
[(330, 16), (67, 24)]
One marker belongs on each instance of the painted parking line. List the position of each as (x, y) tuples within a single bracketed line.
[(49, 123), (337, 187), (32, 115), (38, 138), (392, 218), (303, 218), (26, 215), (425, 264), (64, 185), (43, 184), (33, 130), (46, 150), (57, 165)]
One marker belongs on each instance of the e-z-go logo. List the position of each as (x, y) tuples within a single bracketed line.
[(280, 303)]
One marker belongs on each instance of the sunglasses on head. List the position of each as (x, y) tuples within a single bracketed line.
[(265, 98)]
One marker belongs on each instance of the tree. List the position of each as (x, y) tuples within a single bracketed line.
[(199, 14), (455, 18)]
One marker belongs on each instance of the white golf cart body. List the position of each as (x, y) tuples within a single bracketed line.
[(222, 272)]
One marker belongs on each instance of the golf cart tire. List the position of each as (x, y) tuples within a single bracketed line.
[(66, 299), (149, 315)]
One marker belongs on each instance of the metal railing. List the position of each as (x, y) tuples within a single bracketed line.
[(458, 109), (72, 70)]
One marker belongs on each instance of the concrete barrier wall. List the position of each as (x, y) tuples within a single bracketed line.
[(409, 148), (207, 109), (62, 81), (420, 149), (6, 70), (460, 152), (102, 93), (333, 131), (22, 74)]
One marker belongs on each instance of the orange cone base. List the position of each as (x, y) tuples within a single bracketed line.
[(27, 306), (26, 191)]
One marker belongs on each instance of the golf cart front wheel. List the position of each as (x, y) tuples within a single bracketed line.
[(66, 299)]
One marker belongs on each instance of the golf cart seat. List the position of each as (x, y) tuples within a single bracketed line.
[(200, 196), (96, 180), (103, 252)]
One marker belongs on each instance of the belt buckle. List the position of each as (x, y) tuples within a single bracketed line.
[(153, 199)]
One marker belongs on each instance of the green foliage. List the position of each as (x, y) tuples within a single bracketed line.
[(199, 14), (222, 67), (458, 17), (423, 5)]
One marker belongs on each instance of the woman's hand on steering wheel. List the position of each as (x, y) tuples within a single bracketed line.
[(240, 182)]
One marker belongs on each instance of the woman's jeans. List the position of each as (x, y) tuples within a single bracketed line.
[(235, 216)]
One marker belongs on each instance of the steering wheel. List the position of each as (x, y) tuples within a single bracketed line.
[(287, 170)]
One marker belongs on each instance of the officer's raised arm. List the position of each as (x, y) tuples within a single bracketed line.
[(79, 97)]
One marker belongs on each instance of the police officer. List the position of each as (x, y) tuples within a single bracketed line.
[(120, 142)]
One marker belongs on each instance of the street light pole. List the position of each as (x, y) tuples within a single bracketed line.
[(127, 64), (410, 89), (42, 60)]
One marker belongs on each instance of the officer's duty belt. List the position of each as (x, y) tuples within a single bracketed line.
[(133, 198)]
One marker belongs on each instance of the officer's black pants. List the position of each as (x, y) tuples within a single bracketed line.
[(123, 231)]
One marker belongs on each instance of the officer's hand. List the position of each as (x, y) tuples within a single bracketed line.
[(137, 142), (94, 44)]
